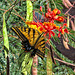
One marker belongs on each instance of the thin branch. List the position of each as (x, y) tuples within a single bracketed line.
[(74, 20), (13, 36), (69, 9), (64, 62), (3, 9), (12, 3), (8, 68), (54, 4), (18, 15), (11, 10), (1, 49)]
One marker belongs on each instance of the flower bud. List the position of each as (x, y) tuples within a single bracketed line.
[(58, 12), (49, 10), (40, 8)]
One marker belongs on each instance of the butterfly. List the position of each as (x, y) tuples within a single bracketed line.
[(32, 40)]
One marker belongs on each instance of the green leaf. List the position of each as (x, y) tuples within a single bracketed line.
[(71, 39), (71, 36), (25, 61), (70, 30), (21, 57), (49, 63), (29, 16), (68, 21), (6, 42), (26, 64)]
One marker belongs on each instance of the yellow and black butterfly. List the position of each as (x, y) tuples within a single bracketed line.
[(31, 40)]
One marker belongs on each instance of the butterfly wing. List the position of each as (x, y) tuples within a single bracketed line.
[(40, 46), (32, 38)]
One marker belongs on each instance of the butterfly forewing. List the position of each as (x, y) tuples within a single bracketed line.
[(26, 34)]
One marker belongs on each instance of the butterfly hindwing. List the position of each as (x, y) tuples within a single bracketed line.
[(40, 46), (31, 39)]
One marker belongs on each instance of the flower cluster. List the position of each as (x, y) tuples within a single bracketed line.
[(49, 26), (53, 15)]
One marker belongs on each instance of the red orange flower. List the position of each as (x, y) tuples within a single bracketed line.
[(62, 31), (53, 15), (65, 25), (60, 19), (56, 11), (65, 30), (48, 28)]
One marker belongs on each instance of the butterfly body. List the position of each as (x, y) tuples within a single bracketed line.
[(32, 40), (26, 45)]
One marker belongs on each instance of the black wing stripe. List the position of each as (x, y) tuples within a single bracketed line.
[(43, 48), (41, 40), (40, 54), (21, 28), (38, 39), (18, 32), (33, 34), (29, 31), (24, 29), (42, 44)]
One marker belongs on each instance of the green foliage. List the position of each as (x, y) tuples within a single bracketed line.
[(41, 66), (62, 69), (2, 63)]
